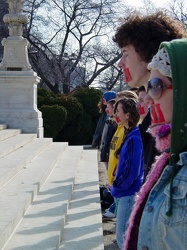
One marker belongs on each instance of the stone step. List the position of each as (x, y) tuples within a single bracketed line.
[(3, 126), (83, 228), (12, 163), (43, 223), (18, 194), (13, 143), (7, 133)]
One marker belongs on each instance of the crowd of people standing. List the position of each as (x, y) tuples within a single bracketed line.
[(147, 149)]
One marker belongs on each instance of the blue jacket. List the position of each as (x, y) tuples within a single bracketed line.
[(130, 170)]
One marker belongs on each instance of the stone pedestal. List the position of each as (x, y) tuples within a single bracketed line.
[(18, 82), (15, 54), (18, 101)]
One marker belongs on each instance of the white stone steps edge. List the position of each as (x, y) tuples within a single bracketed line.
[(17, 196), (83, 228), (43, 222), (6, 133), (13, 143), (12, 163), (3, 126)]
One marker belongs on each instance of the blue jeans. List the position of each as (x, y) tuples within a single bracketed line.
[(106, 165), (112, 208), (124, 208)]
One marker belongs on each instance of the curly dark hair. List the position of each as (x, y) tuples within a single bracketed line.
[(129, 106), (145, 33)]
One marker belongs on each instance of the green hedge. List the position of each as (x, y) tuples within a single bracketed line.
[(54, 119), (74, 118), (89, 97), (70, 118)]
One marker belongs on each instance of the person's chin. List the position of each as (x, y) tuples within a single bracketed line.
[(131, 84)]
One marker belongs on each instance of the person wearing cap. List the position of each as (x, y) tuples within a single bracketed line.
[(108, 132), (118, 137), (109, 95), (139, 37), (109, 128), (105, 150), (116, 141), (159, 218)]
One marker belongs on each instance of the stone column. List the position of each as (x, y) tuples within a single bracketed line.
[(18, 82)]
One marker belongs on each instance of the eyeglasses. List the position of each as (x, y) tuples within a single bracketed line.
[(155, 88)]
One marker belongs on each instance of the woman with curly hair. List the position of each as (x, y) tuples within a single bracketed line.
[(130, 170)]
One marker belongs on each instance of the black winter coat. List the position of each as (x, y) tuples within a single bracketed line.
[(105, 147)]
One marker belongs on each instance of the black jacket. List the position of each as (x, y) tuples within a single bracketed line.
[(111, 127), (99, 130), (148, 144)]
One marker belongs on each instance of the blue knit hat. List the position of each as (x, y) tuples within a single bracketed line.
[(109, 95)]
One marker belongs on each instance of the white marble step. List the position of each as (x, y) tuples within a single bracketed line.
[(43, 223), (18, 194), (7, 133), (83, 228), (3, 126), (13, 143), (12, 163)]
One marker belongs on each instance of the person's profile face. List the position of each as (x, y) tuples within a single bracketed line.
[(121, 117), (110, 109), (143, 106), (161, 109), (133, 67)]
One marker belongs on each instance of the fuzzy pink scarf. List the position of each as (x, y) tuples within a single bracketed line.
[(162, 135)]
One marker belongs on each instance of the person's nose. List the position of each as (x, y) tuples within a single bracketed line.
[(121, 63), (148, 100)]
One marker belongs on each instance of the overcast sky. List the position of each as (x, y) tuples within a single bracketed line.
[(138, 3)]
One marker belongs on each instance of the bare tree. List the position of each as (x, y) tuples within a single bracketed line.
[(71, 41), (178, 9)]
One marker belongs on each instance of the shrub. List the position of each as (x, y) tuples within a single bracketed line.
[(45, 97), (74, 118), (85, 132), (54, 119), (89, 98)]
